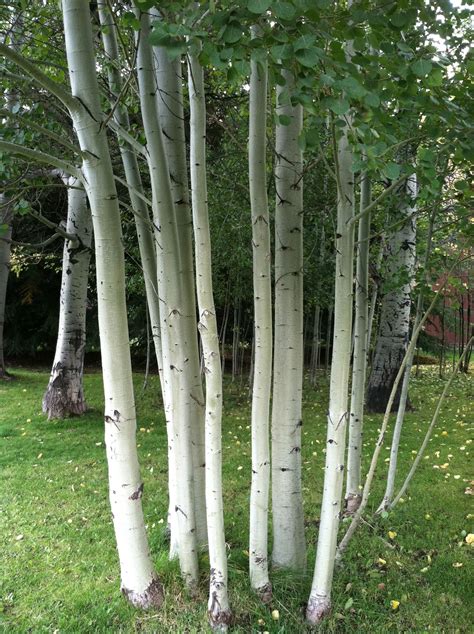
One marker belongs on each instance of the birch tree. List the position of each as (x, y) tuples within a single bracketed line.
[(394, 326), (289, 549), (171, 116), (319, 602), (170, 285), (354, 452), (262, 292), (218, 605), (139, 581), (64, 395)]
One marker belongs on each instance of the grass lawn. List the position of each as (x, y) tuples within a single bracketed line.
[(58, 564)]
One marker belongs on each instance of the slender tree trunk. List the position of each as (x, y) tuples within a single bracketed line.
[(173, 331), (64, 395), (373, 302), (395, 315), (171, 114), (320, 598), (139, 581), (289, 549), (313, 366), (143, 224), (224, 331), (5, 248), (359, 365), (262, 294), (218, 606), (329, 335)]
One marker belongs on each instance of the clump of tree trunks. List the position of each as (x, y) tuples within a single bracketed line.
[(335, 155)]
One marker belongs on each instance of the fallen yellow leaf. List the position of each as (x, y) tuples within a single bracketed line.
[(394, 604), (392, 534)]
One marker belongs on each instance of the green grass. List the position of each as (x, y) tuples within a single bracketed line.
[(62, 574)]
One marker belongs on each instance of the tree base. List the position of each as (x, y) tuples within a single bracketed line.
[(352, 503), (318, 608), (150, 598), (219, 620), (58, 406), (6, 376), (377, 399), (265, 593)]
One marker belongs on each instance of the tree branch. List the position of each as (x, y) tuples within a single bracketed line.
[(41, 78), (40, 157)]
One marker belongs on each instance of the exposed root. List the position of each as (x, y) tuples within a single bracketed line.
[(318, 608), (152, 597), (352, 504)]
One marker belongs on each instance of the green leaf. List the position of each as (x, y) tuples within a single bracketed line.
[(305, 41), (258, 6), (281, 51), (392, 171), (283, 10), (232, 33), (404, 47), (284, 119), (348, 603), (372, 100), (422, 67), (352, 87), (309, 57), (435, 78), (339, 106)]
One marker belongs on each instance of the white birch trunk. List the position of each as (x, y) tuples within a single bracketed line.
[(132, 175), (262, 294), (145, 234), (320, 598), (289, 549), (173, 332), (139, 581), (218, 605), (171, 115), (359, 364), (5, 249), (392, 340), (64, 395), (397, 430)]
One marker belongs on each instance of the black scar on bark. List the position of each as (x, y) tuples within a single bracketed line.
[(136, 495), (152, 597)]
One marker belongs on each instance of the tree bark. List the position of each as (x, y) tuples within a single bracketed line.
[(64, 395), (171, 116), (319, 602), (262, 364), (173, 331), (392, 340), (359, 365), (139, 581), (289, 550), (218, 605)]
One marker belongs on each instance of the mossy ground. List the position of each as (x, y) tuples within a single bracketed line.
[(58, 564)]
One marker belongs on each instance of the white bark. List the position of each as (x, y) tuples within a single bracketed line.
[(5, 248), (359, 364), (171, 115), (262, 293), (392, 340), (218, 605), (64, 395), (139, 581), (289, 550), (173, 332), (320, 598), (132, 175)]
